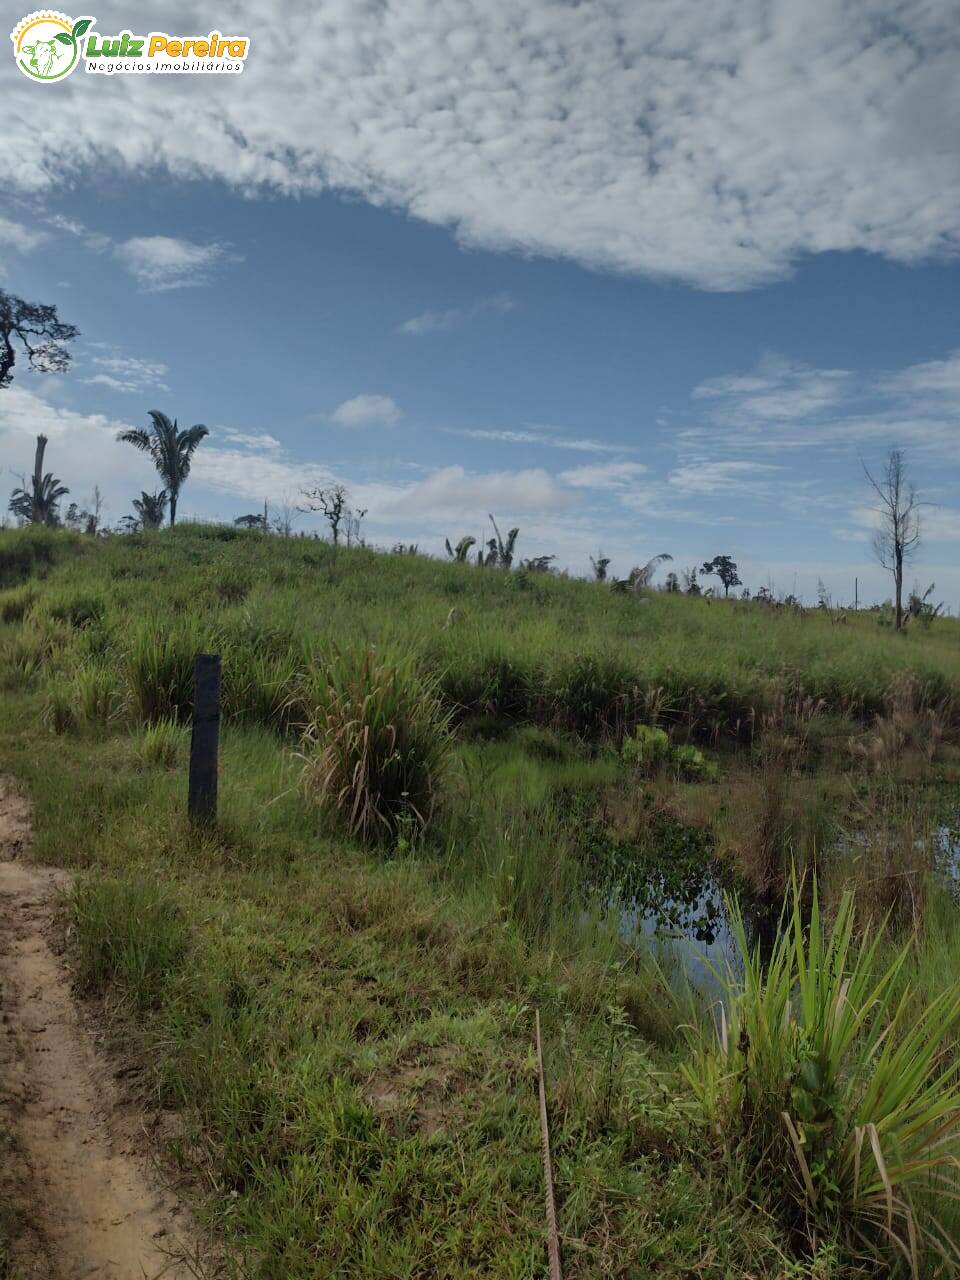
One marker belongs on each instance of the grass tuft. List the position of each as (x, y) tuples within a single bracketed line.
[(829, 1091), (162, 745), (377, 744)]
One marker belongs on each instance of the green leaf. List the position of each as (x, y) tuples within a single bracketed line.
[(64, 38), (80, 26)]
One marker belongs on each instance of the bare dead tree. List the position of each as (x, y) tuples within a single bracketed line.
[(331, 501), (897, 538)]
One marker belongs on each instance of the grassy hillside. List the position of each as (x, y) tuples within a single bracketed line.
[(533, 646), (340, 1015)]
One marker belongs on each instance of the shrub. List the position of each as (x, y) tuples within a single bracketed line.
[(647, 748), (161, 744), (127, 933), (829, 1090), (377, 743), (690, 762)]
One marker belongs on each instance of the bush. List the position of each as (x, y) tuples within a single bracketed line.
[(647, 748), (829, 1090), (377, 744)]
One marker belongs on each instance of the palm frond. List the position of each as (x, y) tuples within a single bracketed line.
[(137, 437)]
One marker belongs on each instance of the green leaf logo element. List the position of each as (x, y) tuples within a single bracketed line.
[(64, 38), (80, 26)]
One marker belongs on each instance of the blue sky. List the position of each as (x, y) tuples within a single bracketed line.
[(576, 267)]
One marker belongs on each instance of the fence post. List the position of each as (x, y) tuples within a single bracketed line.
[(204, 738)]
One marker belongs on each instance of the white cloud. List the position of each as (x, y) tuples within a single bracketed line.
[(15, 235), (127, 373), (439, 321), (779, 390), (932, 378), (94, 240), (453, 493), (541, 437), (366, 410), (256, 440), (105, 380), (159, 263), (709, 143), (605, 475), (730, 478)]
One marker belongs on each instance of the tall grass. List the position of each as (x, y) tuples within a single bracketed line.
[(376, 746), (98, 694), (833, 1094), (159, 666)]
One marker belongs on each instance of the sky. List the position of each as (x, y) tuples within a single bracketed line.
[(636, 276)]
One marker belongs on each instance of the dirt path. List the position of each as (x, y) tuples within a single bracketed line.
[(85, 1201)]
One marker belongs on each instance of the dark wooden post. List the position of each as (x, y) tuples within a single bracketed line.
[(204, 739)]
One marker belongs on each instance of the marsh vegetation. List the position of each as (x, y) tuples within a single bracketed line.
[(429, 827)]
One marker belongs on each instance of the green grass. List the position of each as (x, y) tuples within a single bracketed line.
[(828, 1092), (535, 647), (348, 1039), (345, 1031)]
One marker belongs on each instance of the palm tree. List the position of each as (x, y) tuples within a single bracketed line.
[(642, 575), (600, 566), (170, 449), (502, 552), (462, 550), (151, 508), (38, 504)]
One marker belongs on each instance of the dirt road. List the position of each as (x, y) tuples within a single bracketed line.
[(73, 1156)]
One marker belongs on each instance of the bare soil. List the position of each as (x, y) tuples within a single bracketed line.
[(81, 1196)]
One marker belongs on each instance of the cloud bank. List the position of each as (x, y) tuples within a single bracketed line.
[(714, 144)]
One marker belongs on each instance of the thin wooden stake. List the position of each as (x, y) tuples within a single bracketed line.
[(553, 1240), (204, 740)]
